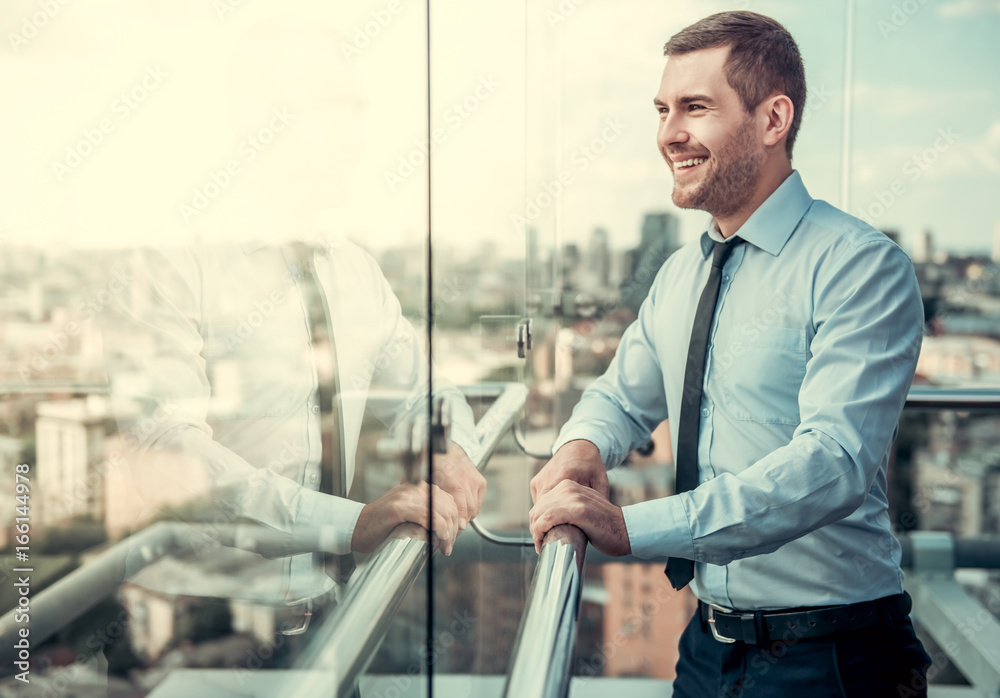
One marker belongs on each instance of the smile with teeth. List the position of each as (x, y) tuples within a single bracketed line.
[(690, 162)]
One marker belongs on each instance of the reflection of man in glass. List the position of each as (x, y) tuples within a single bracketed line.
[(781, 345), (244, 367)]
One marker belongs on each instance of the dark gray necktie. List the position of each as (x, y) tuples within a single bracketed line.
[(333, 478), (680, 571)]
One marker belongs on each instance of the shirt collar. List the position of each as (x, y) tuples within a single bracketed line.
[(774, 221), (320, 244)]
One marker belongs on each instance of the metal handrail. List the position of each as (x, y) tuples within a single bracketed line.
[(74, 594), (346, 642), (543, 650), (920, 397), (77, 592), (926, 397), (972, 552)]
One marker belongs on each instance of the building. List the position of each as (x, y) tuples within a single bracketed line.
[(659, 239), (70, 448)]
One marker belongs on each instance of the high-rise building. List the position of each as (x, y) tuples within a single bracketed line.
[(659, 239), (924, 250), (598, 260), (70, 446)]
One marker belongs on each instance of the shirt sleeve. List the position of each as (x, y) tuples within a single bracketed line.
[(160, 393), (619, 410), (868, 320)]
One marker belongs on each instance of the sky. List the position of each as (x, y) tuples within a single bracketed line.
[(141, 121)]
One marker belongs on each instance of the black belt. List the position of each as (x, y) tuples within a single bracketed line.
[(761, 627)]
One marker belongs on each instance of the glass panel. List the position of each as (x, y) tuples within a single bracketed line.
[(926, 176), (206, 373), (478, 129)]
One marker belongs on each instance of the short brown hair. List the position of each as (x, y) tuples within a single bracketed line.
[(763, 59)]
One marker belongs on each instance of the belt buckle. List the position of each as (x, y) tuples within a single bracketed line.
[(305, 617), (712, 608)]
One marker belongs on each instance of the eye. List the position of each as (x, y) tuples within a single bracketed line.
[(692, 107)]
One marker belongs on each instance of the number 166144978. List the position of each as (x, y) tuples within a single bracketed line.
[(22, 522)]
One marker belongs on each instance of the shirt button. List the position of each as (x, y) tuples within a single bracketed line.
[(312, 477), (315, 409), (725, 278), (705, 411)]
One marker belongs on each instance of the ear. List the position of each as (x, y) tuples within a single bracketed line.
[(776, 112)]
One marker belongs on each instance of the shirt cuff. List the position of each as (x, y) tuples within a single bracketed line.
[(467, 441), (583, 434), (327, 521), (659, 528)]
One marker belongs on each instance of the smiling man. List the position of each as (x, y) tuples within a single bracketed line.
[(781, 346)]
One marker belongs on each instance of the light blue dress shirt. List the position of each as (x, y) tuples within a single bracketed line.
[(811, 354)]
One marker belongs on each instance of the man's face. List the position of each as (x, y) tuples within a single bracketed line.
[(705, 135)]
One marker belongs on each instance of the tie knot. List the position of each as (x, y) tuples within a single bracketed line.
[(722, 250)]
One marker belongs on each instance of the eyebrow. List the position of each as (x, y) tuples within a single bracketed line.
[(685, 100)]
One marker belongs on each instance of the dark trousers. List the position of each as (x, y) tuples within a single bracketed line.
[(873, 662)]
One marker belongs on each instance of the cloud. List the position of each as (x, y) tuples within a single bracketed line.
[(969, 8)]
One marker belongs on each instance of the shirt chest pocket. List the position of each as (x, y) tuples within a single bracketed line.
[(761, 376)]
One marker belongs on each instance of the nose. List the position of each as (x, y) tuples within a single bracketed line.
[(670, 132)]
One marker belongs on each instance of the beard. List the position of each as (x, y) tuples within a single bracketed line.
[(729, 183)]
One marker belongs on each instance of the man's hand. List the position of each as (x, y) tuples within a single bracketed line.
[(406, 503), (456, 475), (573, 503), (579, 461)]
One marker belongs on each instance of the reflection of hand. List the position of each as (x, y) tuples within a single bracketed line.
[(457, 476), (402, 504), (579, 461), (573, 503)]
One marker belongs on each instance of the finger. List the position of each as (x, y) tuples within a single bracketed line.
[(446, 528), (538, 530), (446, 506), (480, 497), (461, 510)]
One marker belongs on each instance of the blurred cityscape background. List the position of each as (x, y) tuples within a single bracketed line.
[(902, 128)]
